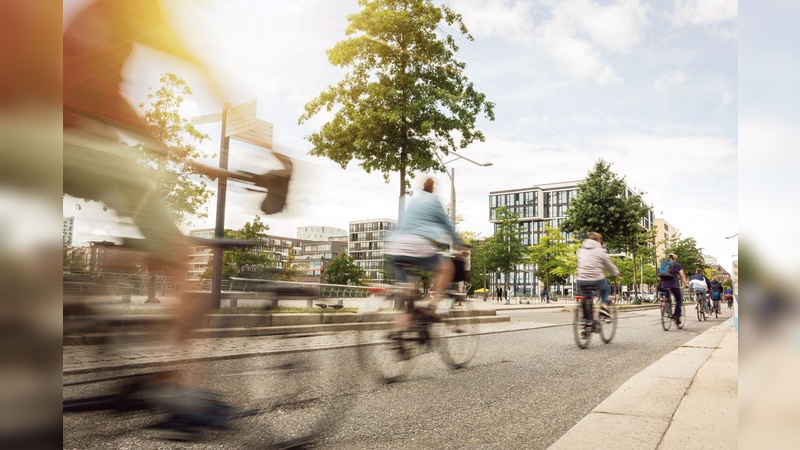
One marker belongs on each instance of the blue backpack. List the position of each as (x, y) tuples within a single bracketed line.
[(666, 269)]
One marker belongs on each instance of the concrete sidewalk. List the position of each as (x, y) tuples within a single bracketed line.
[(687, 400)]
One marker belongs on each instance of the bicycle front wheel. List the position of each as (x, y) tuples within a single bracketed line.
[(458, 333), (582, 331), (608, 325)]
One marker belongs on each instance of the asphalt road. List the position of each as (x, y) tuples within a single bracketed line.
[(524, 389)]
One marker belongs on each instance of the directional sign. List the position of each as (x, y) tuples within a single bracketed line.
[(242, 125), (208, 118), (241, 118), (260, 135)]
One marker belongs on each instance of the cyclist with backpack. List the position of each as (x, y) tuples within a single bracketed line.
[(671, 275), (716, 289)]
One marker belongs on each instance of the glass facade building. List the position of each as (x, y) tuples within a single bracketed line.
[(537, 207)]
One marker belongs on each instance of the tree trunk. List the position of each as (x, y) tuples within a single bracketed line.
[(151, 287)]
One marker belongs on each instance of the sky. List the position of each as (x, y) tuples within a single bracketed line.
[(651, 87)]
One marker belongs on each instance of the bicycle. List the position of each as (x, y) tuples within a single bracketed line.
[(729, 299), (665, 302), (452, 330), (715, 307), (605, 326), (699, 306), (287, 399)]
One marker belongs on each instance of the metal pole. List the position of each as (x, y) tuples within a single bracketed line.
[(453, 194), (219, 230)]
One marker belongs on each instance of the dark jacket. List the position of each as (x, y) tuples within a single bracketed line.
[(716, 286)]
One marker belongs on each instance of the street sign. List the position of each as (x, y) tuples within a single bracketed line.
[(208, 118), (242, 124), (241, 118), (260, 135)]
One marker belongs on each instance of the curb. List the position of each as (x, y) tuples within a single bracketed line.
[(640, 412)]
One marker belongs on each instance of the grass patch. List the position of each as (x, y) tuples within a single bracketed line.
[(282, 310)]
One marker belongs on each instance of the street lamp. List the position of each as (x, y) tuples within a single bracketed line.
[(452, 175)]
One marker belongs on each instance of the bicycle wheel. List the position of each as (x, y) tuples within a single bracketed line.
[(608, 325), (666, 315), (457, 335), (582, 331), (385, 353), (283, 401), (716, 310)]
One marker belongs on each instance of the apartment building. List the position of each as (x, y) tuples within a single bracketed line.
[(537, 206), (315, 258), (320, 233), (67, 230), (366, 243), (665, 233)]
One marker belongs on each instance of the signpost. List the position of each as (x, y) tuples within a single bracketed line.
[(238, 122)]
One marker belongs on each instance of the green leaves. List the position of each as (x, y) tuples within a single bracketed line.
[(602, 205), (555, 257), (342, 270), (175, 179), (405, 96)]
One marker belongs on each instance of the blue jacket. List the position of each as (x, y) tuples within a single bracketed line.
[(425, 217)]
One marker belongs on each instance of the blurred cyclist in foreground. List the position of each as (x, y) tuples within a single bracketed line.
[(422, 229), (97, 44)]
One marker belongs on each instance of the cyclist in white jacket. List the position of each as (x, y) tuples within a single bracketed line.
[(593, 259)]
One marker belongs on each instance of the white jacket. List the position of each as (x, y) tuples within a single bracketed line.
[(592, 259)]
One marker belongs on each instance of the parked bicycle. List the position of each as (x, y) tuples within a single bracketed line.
[(665, 302), (452, 330), (588, 319)]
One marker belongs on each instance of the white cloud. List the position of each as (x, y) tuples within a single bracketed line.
[(667, 79), (509, 20), (704, 12), (580, 33)]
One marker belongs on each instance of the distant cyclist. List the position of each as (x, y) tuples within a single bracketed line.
[(700, 283), (672, 284), (593, 259), (716, 289)]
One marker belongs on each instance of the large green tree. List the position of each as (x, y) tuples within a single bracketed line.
[(690, 256), (554, 256), (603, 205), (176, 181), (343, 270), (406, 99), (505, 250)]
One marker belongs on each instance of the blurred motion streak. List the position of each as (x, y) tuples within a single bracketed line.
[(30, 201)]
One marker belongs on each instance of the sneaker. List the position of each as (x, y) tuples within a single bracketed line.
[(604, 311)]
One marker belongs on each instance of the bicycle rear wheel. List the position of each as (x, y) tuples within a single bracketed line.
[(608, 325), (580, 330), (666, 316), (457, 334), (386, 355)]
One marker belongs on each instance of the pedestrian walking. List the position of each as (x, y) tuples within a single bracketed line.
[(505, 294)]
